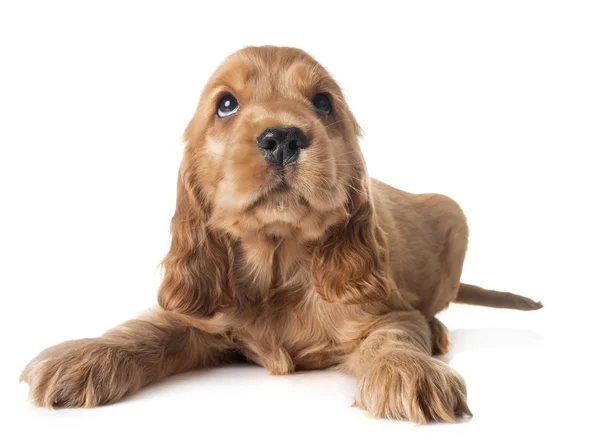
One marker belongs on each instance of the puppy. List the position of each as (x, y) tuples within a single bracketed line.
[(285, 253)]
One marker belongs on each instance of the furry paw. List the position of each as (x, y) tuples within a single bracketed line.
[(414, 387), (80, 373)]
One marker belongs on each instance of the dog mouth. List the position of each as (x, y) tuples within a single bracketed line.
[(280, 196)]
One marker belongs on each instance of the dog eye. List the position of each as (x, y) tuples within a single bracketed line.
[(227, 106), (322, 102)]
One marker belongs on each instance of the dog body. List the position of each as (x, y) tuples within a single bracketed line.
[(431, 232), (285, 253)]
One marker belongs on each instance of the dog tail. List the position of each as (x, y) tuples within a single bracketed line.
[(475, 295)]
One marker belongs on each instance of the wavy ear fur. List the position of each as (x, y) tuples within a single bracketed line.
[(351, 265), (198, 277)]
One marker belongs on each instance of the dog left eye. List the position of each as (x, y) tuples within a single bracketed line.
[(227, 106), (322, 102)]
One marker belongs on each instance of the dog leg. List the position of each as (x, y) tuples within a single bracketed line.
[(439, 337), (398, 378), (96, 371)]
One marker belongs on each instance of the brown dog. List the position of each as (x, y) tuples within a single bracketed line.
[(285, 253)]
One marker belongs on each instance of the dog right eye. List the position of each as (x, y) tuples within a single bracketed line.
[(227, 106)]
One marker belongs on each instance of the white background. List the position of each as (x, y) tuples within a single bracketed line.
[(496, 104)]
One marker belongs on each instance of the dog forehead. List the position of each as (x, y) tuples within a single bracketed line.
[(271, 72)]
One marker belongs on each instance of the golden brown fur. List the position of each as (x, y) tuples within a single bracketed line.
[(308, 268)]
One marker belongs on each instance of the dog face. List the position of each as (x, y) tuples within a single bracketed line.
[(272, 167), (273, 145)]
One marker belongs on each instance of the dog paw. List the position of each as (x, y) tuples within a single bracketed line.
[(417, 388), (80, 373)]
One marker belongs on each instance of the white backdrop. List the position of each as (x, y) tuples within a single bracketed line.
[(495, 104)]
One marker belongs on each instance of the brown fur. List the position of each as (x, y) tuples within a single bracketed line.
[(316, 267)]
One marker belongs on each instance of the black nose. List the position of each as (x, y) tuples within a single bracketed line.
[(282, 144)]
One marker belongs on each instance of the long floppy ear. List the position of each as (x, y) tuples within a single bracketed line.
[(351, 265), (198, 278)]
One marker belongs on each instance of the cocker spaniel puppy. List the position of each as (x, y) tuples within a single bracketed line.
[(285, 253)]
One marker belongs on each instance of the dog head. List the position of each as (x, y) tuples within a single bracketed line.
[(272, 144), (272, 153)]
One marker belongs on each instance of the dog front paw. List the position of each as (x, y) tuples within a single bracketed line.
[(80, 373), (415, 387)]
